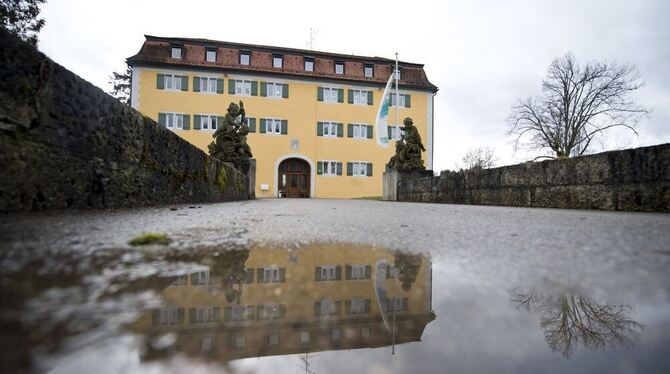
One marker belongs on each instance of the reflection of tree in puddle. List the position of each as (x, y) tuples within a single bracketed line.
[(570, 320)]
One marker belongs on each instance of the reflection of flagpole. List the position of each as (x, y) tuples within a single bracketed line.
[(397, 97), (395, 279)]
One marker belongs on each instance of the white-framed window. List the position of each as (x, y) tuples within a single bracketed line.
[(270, 311), (357, 271), (335, 334), (273, 339), (204, 314), (207, 84), (271, 274), (339, 67), (330, 94), (330, 129), (357, 306), (240, 341), (360, 131), (401, 100), (275, 89), (175, 52), (180, 281), (369, 71), (328, 272), (174, 121), (241, 312), (277, 61), (168, 316), (329, 168), (272, 126), (360, 97), (245, 58), (327, 307), (210, 55), (172, 82), (359, 169), (309, 64), (242, 88), (208, 122), (200, 278), (395, 132), (304, 337), (365, 332)]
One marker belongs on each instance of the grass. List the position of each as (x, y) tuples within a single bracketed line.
[(369, 198), (150, 238)]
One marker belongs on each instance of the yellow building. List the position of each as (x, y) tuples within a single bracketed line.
[(311, 114), (265, 302)]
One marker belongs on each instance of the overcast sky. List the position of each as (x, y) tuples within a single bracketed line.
[(483, 55)]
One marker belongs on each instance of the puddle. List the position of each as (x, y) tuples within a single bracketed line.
[(315, 309)]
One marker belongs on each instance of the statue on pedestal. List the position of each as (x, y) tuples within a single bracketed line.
[(408, 149), (230, 138)]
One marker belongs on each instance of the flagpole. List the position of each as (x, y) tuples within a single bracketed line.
[(397, 97)]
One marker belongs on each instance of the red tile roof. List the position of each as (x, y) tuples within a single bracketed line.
[(156, 51)]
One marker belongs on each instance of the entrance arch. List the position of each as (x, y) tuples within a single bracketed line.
[(294, 176)]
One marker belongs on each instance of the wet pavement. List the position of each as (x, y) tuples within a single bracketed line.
[(329, 286)]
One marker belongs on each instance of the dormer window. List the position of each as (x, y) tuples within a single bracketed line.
[(277, 61), (175, 52), (309, 64), (210, 55), (369, 71), (245, 57), (339, 67)]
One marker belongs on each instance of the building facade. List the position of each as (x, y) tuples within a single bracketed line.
[(311, 114)]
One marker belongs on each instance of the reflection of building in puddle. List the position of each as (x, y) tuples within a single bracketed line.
[(263, 302), (569, 321)]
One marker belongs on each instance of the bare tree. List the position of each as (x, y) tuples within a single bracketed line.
[(577, 104), (121, 85), (19, 17), (479, 158), (569, 320)]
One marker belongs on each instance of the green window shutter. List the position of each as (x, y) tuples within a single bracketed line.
[(408, 101), (252, 124), (161, 119), (227, 313), (347, 272), (184, 83), (231, 86), (160, 81), (284, 127), (254, 88), (350, 169), (219, 121), (319, 93), (368, 272), (388, 131), (369, 171), (340, 131), (196, 84), (339, 168), (370, 101), (340, 95), (196, 122), (369, 129), (347, 306), (191, 316), (367, 305), (262, 127), (319, 129), (219, 85), (186, 124), (317, 308), (338, 272), (187, 121), (284, 93), (319, 171), (350, 96), (282, 274), (391, 100), (350, 130), (264, 89), (260, 276)]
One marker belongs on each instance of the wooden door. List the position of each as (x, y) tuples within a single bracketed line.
[(294, 178)]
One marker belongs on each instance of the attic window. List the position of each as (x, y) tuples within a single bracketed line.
[(245, 57), (175, 52), (210, 55), (369, 71), (277, 61), (339, 67)]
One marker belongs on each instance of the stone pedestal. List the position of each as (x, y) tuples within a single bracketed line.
[(393, 176), (251, 179)]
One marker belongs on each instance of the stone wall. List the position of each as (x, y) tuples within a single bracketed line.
[(629, 180), (65, 143)]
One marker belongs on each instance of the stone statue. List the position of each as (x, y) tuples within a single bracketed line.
[(230, 138), (408, 149)]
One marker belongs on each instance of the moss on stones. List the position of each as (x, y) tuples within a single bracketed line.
[(150, 238)]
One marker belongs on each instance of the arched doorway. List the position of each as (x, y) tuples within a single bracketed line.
[(294, 178)]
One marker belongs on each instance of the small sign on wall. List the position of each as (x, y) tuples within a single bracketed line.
[(264, 187), (295, 144)]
